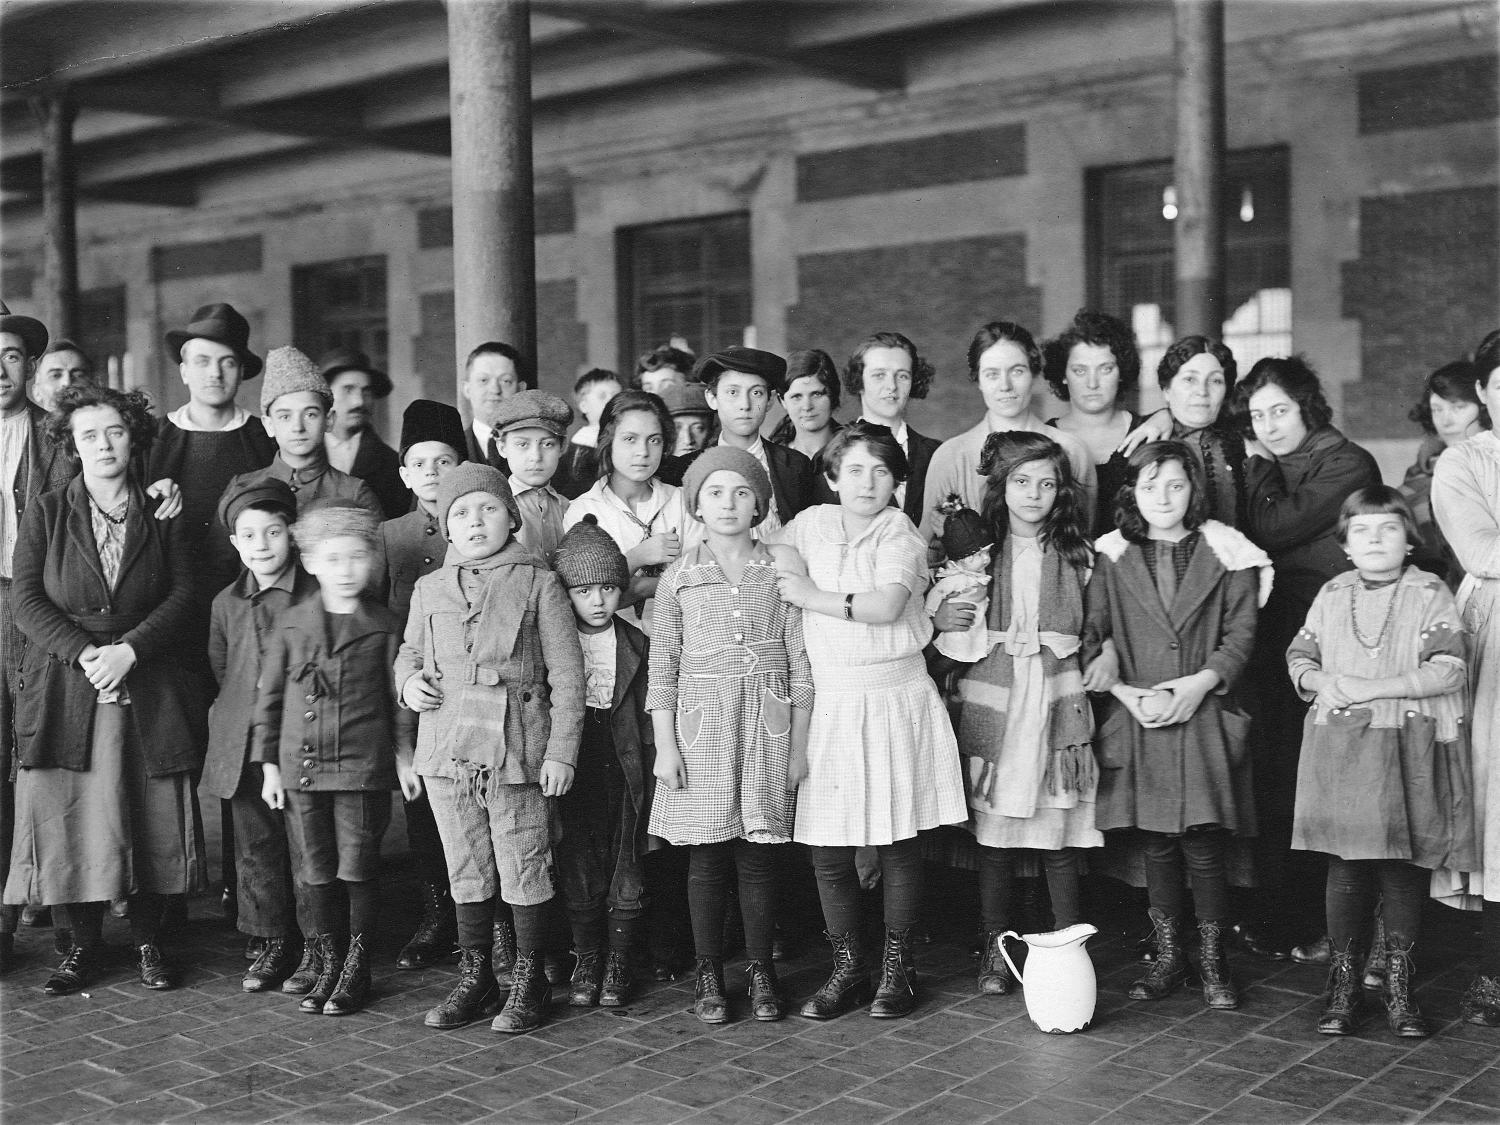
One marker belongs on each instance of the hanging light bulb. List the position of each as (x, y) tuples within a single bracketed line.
[(1169, 203), (1247, 206)]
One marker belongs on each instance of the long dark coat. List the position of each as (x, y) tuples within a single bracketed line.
[(1198, 772), (379, 466), (629, 725), (1291, 511), (63, 605)]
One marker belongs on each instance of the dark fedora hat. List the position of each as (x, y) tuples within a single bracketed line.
[(32, 331), (339, 360), (752, 361), (223, 324)]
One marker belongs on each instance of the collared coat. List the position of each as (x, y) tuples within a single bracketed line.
[(1198, 772), (63, 604), (240, 620), (326, 710), (630, 725), (43, 466), (379, 466), (511, 668)]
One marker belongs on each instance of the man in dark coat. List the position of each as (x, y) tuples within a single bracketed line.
[(353, 445), (738, 383), (29, 466)]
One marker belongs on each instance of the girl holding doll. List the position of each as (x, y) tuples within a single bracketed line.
[(1023, 721), (730, 695), (1383, 784), (1177, 595), (881, 763)]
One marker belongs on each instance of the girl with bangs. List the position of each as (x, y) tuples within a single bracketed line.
[(1023, 722)]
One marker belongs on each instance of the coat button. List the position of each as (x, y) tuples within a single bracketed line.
[(430, 531), (306, 749), (468, 648), (427, 562), (304, 781), (309, 715), (307, 763), (1172, 645), (526, 697), (312, 697)]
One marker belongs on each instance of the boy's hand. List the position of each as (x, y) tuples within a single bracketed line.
[(670, 770), (557, 778), (421, 693), (955, 613), (409, 779), (271, 791), (171, 498)]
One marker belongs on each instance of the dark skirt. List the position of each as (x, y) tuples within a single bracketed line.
[(107, 832)]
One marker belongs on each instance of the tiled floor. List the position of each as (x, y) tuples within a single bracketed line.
[(209, 1053)]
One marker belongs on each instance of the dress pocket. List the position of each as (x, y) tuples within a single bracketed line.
[(689, 726), (1113, 744), (775, 713)]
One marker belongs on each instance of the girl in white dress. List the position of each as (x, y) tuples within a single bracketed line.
[(881, 761)]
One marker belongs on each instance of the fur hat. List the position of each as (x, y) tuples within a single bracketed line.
[(475, 476), (334, 518), (32, 331), (530, 409), (223, 324), (726, 457), (267, 492), (428, 420), (964, 530), (289, 371), (588, 556)]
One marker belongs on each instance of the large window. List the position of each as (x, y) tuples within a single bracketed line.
[(1132, 267), (685, 280), (341, 305)]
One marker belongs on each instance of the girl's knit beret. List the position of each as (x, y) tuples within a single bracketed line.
[(727, 458)]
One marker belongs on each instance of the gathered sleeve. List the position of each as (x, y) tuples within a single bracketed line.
[(666, 643), (1467, 511), (1237, 633), (1304, 655), (1280, 519)]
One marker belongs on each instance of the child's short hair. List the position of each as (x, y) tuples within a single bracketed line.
[(510, 352), (1377, 500), (595, 375), (1101, 330), (1065, 528), (1151, 456), (878, 439), (616, 408), (334, 518), (922, 372), (664, 356)]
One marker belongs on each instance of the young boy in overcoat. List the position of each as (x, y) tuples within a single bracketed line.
[(257, 519), (491, 662)]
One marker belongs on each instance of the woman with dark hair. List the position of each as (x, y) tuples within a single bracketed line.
[(1466, 501), (1004, 361), (887, 372), (881, 762), (1093, 366), (1197, 376), (1299, 471), (1449, 412), (810, 400), (642, 513), (109, 724)]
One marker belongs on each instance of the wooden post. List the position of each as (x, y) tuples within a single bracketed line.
[(494, 235), (55, 114), (1199, 169)]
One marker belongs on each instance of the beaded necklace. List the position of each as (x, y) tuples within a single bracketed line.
[(1372, 649)]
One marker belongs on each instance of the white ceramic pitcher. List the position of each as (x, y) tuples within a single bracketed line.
[(1059, 986)]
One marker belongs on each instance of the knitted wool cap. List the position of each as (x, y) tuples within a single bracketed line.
[(589, 556), (269, 492), (733, 460), (334, 518), (537, 410), (475, 476), (289, 371)]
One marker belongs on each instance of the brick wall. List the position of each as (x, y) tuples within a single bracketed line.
[(916, 162), (1441, 93), (937, 293), (1425, 289)]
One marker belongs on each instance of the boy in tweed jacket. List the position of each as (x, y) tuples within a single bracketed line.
[(492, 663)]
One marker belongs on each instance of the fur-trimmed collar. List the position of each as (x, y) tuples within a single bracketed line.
[(1233, 550)]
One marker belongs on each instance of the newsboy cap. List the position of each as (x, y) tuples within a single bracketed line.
[(538, 410), (752, 361)]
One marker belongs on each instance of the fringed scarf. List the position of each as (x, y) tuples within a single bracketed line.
[(1065, 762)]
